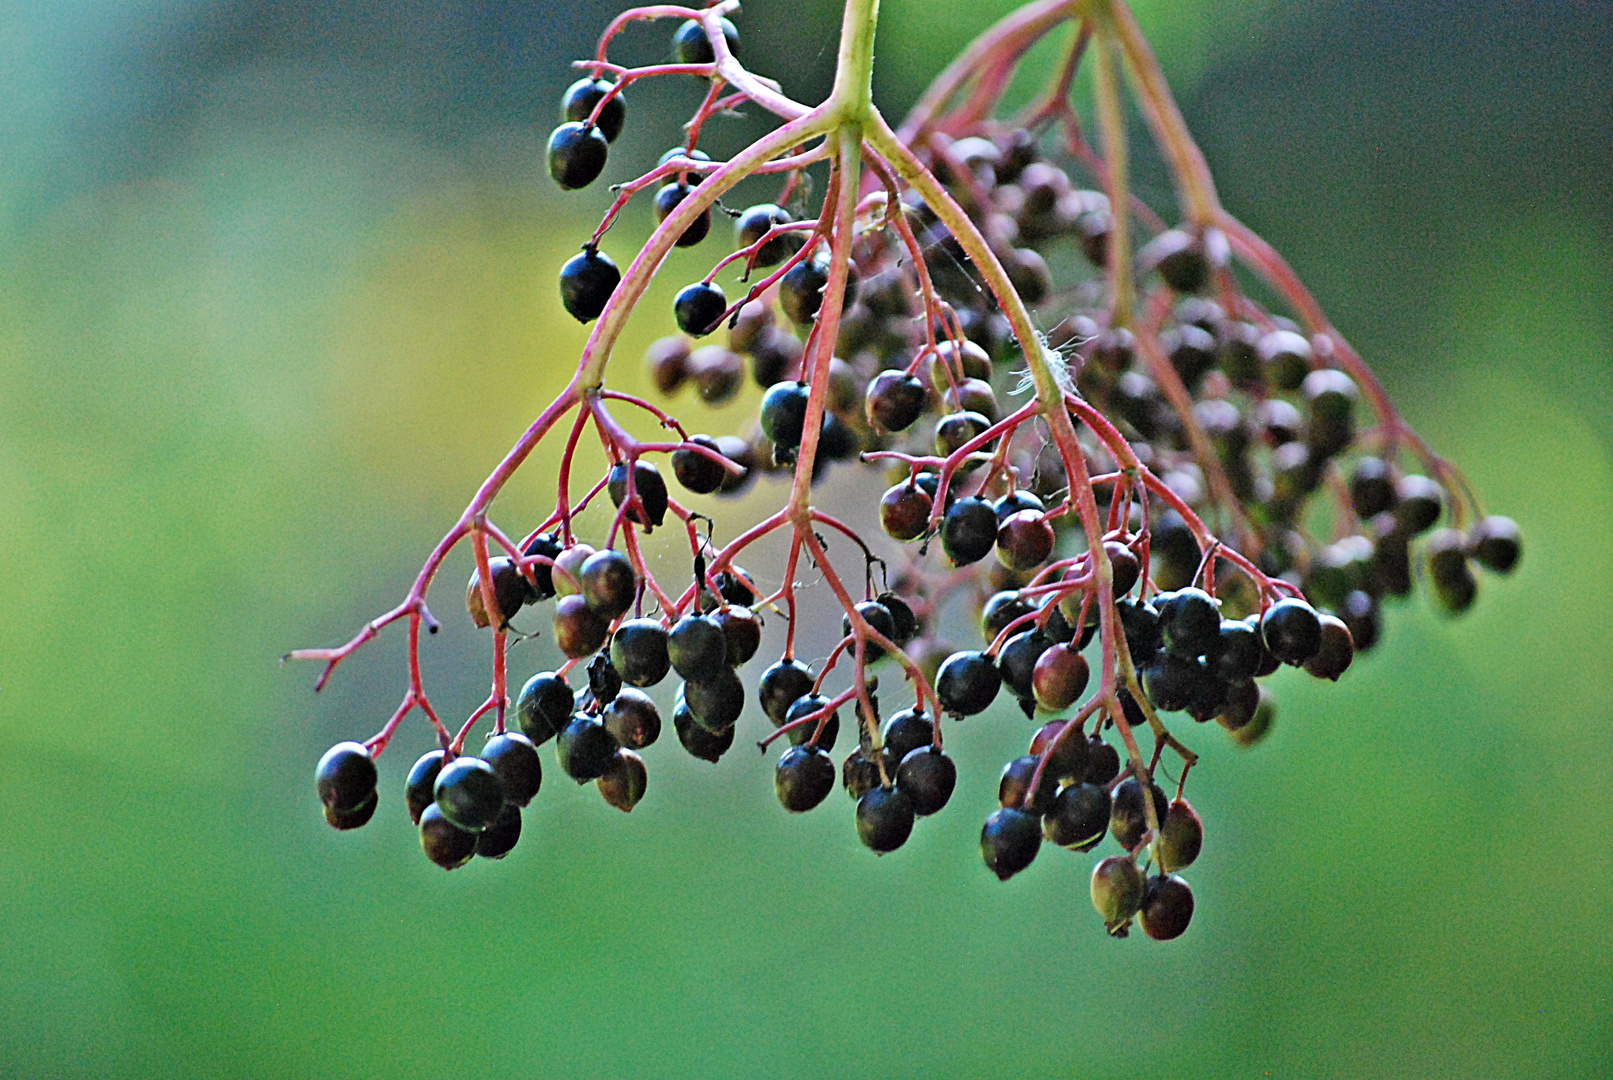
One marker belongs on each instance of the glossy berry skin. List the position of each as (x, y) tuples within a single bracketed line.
[(906, 730), (967, 683), (587, 281), (1059, 678), (345, 777), (877, 616), (1024, 540), (968, 531), (1181, 836), (803, 778), (667, 199), (500, 838), (632, 719), (999, 611), (1079, 818), (884, 819), (1117, 891), (585, 749), (904, 511), (696, 646), (1140, 623), (1189, 621), (800, 291), (647, 485), (705, 745), (1128, 819), (1124, 566), (1167, 907), (581, 98), (357, 817), (542, 585), (510, 591), (754, 223), (696, 471), (469, 793), (1496, 544), (638, 650), (904, 624), (544, 706), (1336, 651), (579, 630), (927, 777), (516, 762), (576, 155), (804, 707), (783, 414), (1237, 652), (445, 843), (1292, 631), (608, 582), (716, 699), (779, 687), (623, 782), (417, 789), (954, 430), (894, 400), (1014, 786), (1172, 681), (690, 45), (1016, 661), (699, 308), (1069, 754), (742, 631), (1009, 841), (1103, 760)]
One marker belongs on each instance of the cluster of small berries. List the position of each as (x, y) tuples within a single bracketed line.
[(1201, 409)]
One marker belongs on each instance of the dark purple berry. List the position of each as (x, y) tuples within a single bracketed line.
[(1335, 652), (1496, 544), (1181, 835), (584, 95), (1167, 907), (666, 201), (469, 793), (894, 400), (705, 745), (623, 782), (780, 686), (585, 748), (445, 843), (1009, 841), (647, 485), (1128, 819), (345, 777), (417, 789), (926, 776), (1079, 817), (716, 698), (516, 763), (806, 706), (586, 283), (690, 45), (884, 819), (803, 778), (968, 531), (354, 818), (694, 470), (544, 707), (754, 223), (1292, 631), (577, 155), (967, 683), (1189, 621), (499, 838), (699, 308)]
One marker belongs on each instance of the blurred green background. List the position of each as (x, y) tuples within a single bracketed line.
[(276, 290)]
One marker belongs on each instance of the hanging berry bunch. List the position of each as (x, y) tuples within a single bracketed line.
[(1196, 489)]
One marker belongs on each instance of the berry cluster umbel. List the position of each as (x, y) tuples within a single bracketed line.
[(1199, 489)]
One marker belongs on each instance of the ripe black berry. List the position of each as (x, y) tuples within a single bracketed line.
[(577, 155), (1000, 610), (608, 582), (699, 308), (1079, 817), (417, 789), (906, 730), (780, 686), (1167, 907), (1103, 760), (515, 761), (1128, 819), (805, 706), (1124, 566), (543, 707), (690, 45), (1117, 891), (667, 200), (742, 631), (1237, 652), (469, 793), (649, 487), (783, 414), (1189, 621), (585, 749), (584, 95), (926, 776), (716, 698), (499, 838), (1181, 835), (445, 843), (623, 782), (354, 818), (968, 531), (803, 778), (884, 819), (586, 283), (967, 683), (877, 616), (1330, 405), (1069, 755), (1292, 631), (697, 646), (345, 777), (694, 470), (632, 719), (754, 223), (903, 622), (510, 591), (1336, 651), (956, 429), (1009, 841), (1014, 786), (1140, 623), (894, 400), (548, 546), (800, 291), (638, 650), (705, 745), (1496, 544), (1171, 681), (1016, 662)]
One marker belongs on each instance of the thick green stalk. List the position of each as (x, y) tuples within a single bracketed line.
[(853, 95)]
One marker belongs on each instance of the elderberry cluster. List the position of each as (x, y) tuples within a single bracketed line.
[(1179, 497)]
